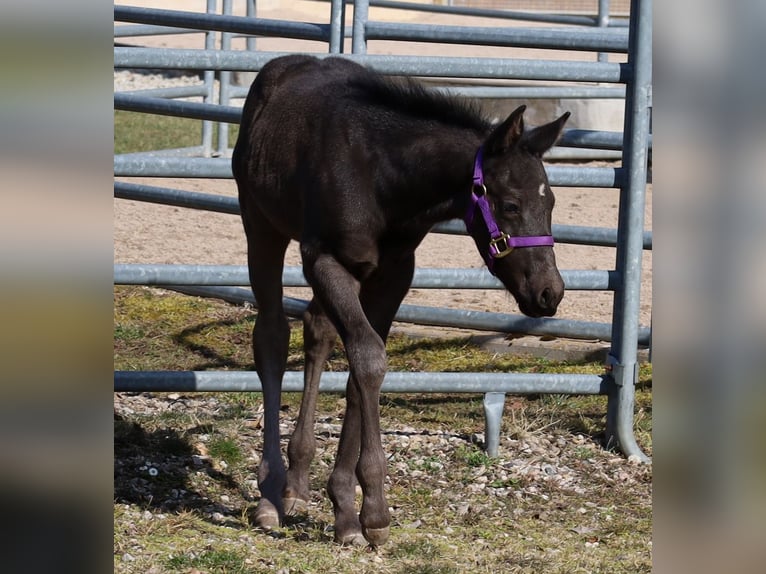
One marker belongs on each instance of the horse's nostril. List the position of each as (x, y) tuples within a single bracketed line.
[(546, 297)]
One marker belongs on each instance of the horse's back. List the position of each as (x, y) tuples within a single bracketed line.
[(293, 136)]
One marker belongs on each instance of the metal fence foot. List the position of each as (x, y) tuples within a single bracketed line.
[(619, 418), (493, 417)]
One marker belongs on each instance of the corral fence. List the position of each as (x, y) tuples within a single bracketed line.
[(477, 77)]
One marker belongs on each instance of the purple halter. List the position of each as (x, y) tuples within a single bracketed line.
[(500, 243)]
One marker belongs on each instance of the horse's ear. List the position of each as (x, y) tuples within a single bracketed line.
[(541, 139), (507, 134)]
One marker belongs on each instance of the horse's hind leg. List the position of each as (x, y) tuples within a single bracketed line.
[(266, 251), (319, 336)]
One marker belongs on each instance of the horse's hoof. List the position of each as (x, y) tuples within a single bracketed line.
[(376, 536), (266, 518), (295, 506), (351, 539)]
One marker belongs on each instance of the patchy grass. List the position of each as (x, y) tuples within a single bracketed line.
[(135, 132), (185, 485)]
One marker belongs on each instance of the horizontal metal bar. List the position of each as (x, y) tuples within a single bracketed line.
[(335, 382), (427, 66), (134, 165), (504, 92), (591, 139), (572, 19), (177, 197), (534, 92), (582, 235), (440, 317), (161, 106), (223, 23), (596, 236), (131, 101), (198, 90), (292, 276), (135, 30), (584, 39)]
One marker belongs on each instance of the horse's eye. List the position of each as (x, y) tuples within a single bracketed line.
[(510, 207)]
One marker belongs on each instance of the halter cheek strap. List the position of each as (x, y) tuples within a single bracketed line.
[(500, 243)]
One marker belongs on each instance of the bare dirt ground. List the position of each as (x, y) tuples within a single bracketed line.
[(162, 234)]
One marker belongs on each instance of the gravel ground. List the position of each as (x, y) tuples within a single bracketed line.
[(546, 469)]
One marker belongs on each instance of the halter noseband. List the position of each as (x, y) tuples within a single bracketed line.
[(500, 243)]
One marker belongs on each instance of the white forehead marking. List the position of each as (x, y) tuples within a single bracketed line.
[(541, 190)]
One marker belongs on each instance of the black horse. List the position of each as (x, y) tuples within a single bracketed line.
[(358, 168)]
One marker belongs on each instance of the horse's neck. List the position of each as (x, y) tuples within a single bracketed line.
[(445, 177)]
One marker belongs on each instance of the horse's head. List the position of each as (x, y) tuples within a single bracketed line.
[(509, 216)]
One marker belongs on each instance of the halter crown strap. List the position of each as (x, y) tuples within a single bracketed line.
[(500, 244)]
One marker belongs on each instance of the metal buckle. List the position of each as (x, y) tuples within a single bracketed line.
[(494, 246), (482, 189)]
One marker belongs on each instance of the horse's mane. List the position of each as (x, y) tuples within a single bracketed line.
[(411, 98)]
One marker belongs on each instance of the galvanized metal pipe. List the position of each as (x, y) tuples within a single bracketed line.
[(292, 276), (177, 197), (224, 87), (161, 106), (335, 382), (426, 66), (582, 235), (135, 30), (133, 165), (534, 92), (572, 19), (441, 317), (209, 81), (150, 102), (614, 40), (223, 23), (623, 357), (358, 39), (171, 92), (337, 26)]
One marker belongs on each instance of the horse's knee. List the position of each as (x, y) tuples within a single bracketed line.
[(368, 361)]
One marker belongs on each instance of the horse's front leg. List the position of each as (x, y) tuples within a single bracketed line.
[(338, 292), (318, 338)]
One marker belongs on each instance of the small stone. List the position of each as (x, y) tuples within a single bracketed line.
[(416, 524), (549, 469)]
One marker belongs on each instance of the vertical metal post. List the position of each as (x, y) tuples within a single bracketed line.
[(209, 81), (623, 355), (224, 87), (603, 22), (250, 13), (337, 26), (358, 33), (493, 418)]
